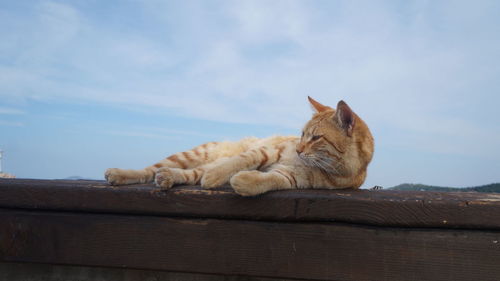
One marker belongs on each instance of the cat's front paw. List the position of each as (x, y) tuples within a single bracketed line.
[(115, 176), (214, 178), (245, 183), (164, 179)]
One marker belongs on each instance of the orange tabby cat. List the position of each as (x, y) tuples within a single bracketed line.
[(333, 152)]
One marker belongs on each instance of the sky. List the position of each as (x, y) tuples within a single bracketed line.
[(89, 85)]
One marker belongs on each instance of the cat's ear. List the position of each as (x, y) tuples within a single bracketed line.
[(344, 116), (316, 106)]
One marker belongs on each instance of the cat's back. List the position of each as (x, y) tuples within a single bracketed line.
[(232, 148), (272, 141), (285, 146)]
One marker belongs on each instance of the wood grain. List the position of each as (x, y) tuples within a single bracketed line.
[(467, 210), (321, 251), (52, 272)]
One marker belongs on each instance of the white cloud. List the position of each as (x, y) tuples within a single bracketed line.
[(60, 21), (261, 22), (412, 67), (134, 134), (11, 123), (160, 133), (11, 111)]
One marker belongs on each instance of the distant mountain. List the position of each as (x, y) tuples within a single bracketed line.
[(494, 187), (74, 178)]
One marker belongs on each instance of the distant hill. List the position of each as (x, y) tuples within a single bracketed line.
[(75, 178), (494, 187)]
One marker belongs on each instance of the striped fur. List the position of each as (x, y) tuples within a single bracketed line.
[(334, 151)]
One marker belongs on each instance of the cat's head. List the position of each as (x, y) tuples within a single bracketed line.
[(336, 140)]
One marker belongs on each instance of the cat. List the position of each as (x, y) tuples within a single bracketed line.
[(333, 152)]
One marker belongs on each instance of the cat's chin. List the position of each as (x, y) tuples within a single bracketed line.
[(317, 164), (307, 161)]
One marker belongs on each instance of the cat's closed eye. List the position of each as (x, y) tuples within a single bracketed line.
[(315, 138)]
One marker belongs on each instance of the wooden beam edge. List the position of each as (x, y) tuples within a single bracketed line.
[(380, 208)]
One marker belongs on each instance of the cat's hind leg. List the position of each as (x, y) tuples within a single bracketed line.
[(167, 177), (201, 156), (220, 172), (204, 154), (251, 183), (193, 158), (116, 176)]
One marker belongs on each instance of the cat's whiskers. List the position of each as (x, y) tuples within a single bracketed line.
[(310, 160), (328, 164), (318, 162)]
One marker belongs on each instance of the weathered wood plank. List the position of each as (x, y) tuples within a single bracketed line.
[(326, 251), (52, 272), (384, 208)]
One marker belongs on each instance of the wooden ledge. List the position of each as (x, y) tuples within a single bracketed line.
[(355, 235), (466, 210)]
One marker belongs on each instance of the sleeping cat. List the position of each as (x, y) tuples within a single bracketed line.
[(334, 151)]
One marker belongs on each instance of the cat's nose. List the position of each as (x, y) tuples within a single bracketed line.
[(299, 148)]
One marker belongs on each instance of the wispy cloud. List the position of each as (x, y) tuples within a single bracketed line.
[(142, 135), (409, 66), (161, 133), (11, 123), (11, 111)]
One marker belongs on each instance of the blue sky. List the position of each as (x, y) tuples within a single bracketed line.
[(88, 85)]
